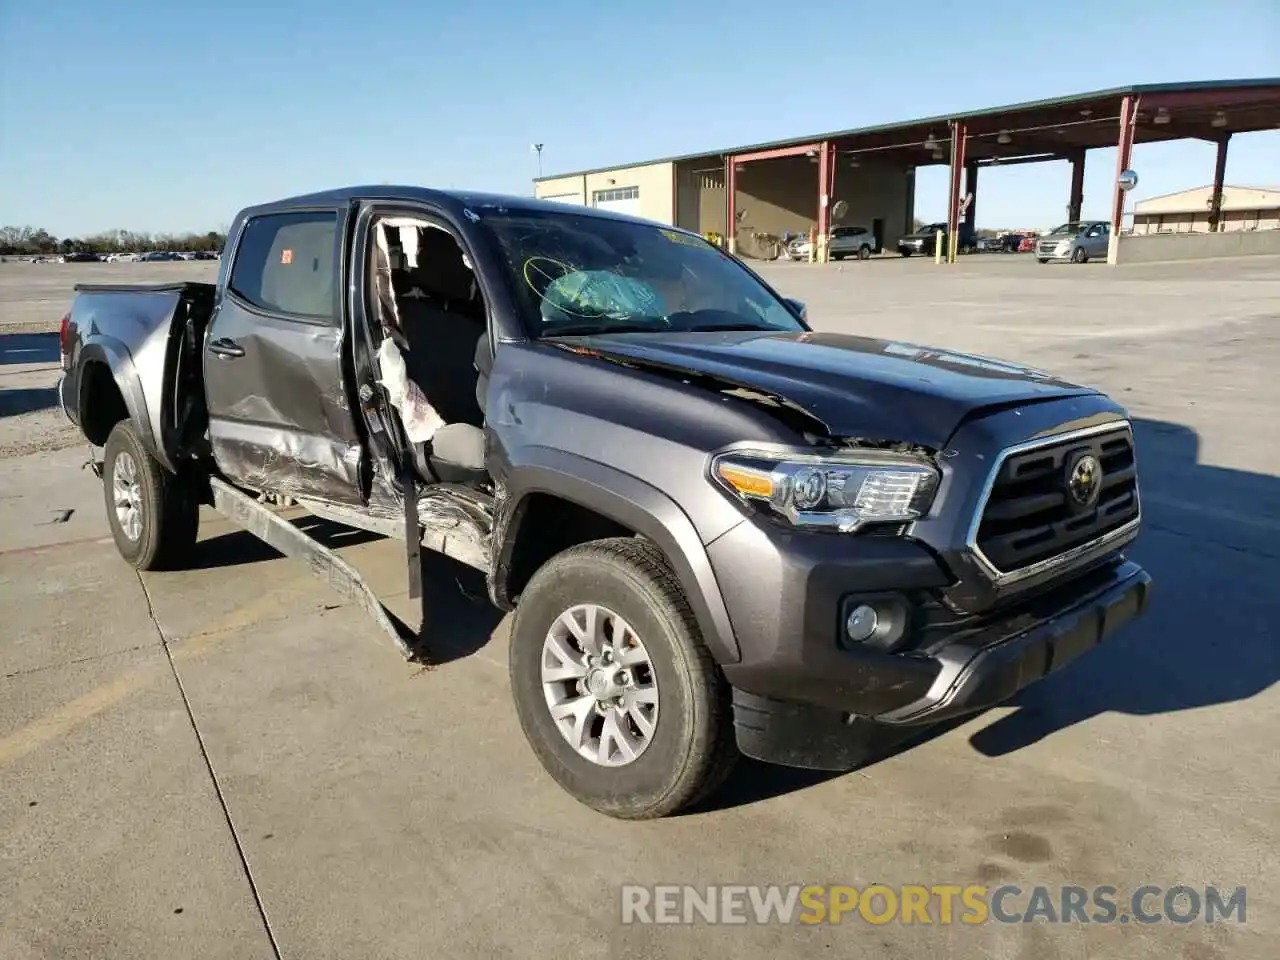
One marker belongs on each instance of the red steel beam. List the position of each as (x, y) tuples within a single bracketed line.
[(1242, 97), (959, 136), (731, 204), (826, 172), (1219, 174), (1076, 201), (1124, 156), (971, 186), (777, 153)]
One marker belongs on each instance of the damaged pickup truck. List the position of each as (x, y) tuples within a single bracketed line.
[(720, 532)]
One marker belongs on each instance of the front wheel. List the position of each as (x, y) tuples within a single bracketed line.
[(1042, 259), (905, 253), (616, 692), (1078, 255), (154, 516)]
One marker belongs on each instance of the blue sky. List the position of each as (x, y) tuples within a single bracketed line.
[(172, 115)]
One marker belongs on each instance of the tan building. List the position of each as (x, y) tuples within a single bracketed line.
[(1243, 208), (773, 198)]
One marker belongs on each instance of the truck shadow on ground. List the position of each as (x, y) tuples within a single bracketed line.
[(241, 548), (1211, 541), (16, 348), (454, 618), (19, 349)]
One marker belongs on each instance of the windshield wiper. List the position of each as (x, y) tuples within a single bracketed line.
[(587, 329), (713, 327)]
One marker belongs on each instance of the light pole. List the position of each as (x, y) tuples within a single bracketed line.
[(537, 148)]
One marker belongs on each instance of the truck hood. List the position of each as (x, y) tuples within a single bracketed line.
[(854, 387)]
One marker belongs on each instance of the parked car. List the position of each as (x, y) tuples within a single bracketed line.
[(845, 242), (1077, 242), (161, 256), (1027, 244), (857, 242), (720, 531), (924, 240), (121, 257), (82, 256)]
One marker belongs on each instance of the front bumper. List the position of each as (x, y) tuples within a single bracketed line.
[(803, 699)]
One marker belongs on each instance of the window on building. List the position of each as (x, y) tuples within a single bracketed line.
[(286, 263), (615, 193)]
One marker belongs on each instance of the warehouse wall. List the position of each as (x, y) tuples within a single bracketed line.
[(700, 195), (779, 196), (654, 181), (1198, 222)]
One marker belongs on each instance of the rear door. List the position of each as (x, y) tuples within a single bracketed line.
[(280, 418)]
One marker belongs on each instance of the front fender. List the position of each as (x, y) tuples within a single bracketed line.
[(629, 501), (115, 355)]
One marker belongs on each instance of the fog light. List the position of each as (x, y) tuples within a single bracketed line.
[(862, 623)]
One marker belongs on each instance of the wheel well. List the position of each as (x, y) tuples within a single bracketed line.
[(546, 525), (101, 403)]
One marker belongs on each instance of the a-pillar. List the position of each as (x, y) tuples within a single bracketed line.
[(1219, 174), (1124, 156), (731, 204), (959, 136), (1076, 202)]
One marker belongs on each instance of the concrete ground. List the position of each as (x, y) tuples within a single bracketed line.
[(230, 762)]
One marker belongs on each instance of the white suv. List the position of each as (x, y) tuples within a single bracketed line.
[(845, 242)]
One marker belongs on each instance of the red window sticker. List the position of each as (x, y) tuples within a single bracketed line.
[(286, 255)]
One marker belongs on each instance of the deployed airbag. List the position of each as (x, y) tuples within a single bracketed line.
[(418, 416)]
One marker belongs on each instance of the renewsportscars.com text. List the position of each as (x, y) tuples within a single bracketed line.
[(941, 904)]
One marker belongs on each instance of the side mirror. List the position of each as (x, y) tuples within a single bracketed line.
[(797, 307)]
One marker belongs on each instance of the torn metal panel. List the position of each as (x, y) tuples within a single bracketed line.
[(280, 416), (265, 459), (265, 524)]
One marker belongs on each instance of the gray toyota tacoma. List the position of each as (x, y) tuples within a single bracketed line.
[(720, 531)]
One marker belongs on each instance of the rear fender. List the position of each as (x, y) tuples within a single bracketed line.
[(112, 352)]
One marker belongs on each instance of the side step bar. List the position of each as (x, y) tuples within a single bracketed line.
[(266, 525)]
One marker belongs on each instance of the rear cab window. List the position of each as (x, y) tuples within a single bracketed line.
[(287, 263)]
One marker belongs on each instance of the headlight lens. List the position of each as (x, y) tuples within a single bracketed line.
[(839, 491)]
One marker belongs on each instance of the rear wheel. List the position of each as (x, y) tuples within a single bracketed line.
[(864, 252), (154, 515), (616, 692)]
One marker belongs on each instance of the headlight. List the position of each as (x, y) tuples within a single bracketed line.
[(842, 491)]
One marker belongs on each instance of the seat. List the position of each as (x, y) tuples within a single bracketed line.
[(442, 317), (443, 320)]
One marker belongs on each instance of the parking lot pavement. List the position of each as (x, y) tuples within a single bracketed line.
[(383, 810)]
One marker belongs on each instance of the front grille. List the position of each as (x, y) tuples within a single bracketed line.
[(1047, 249), (1029, 516)]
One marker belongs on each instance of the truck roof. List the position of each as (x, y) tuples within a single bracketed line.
[(455, 201)]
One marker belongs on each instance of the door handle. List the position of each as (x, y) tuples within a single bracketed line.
[(226, 348)]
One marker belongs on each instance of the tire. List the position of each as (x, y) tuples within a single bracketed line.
[(690, 749), (905, 253), (1042, 259), (166, 509), (864, 252), (1078, 255)]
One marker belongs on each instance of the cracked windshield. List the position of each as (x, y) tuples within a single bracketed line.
[(580, 275)]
